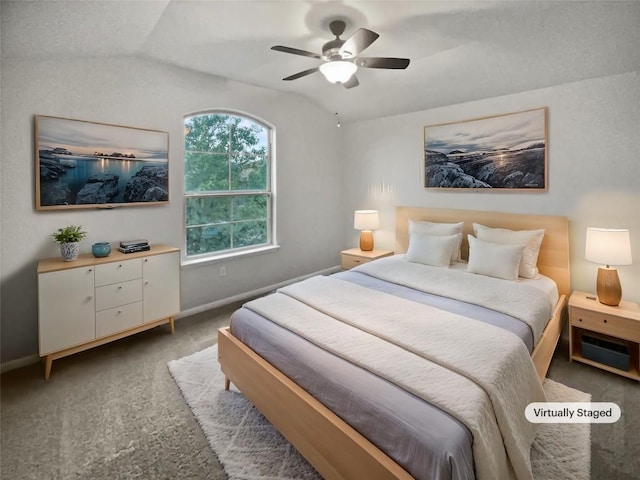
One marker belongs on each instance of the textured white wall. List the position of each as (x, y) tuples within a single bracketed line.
[(594, 166), (140, 93), (593, 178)]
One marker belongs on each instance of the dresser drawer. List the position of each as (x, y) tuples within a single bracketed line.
[(117, 319), (116, 272), (619, 327), (350, 261), (110, 296)]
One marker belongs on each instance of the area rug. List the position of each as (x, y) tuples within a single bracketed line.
[(250, 448)]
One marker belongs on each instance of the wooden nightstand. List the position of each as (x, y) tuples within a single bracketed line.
[(620, 326), (354, 257)]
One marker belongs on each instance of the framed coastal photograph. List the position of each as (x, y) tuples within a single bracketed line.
[(502, 152), (81, 164)]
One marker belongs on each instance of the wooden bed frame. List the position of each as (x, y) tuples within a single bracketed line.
[(335, 449)]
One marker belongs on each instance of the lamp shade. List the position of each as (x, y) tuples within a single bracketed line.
[(338, 71), (608, 246), (366, 220)]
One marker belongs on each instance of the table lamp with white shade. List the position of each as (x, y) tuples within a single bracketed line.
[(366, 221), (608, 246)]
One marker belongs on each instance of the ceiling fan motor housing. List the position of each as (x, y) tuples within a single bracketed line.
[(331, 50)]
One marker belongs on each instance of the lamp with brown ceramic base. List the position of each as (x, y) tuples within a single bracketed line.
[(608, 246), (366, 221)]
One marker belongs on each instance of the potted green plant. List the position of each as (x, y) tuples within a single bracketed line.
[(69, 239)]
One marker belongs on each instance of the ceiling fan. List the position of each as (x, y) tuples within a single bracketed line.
[(341, 58)]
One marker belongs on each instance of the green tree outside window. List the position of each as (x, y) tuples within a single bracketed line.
[(227, 186)]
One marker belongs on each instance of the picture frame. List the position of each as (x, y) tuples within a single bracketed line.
[(83, 164), (506, 152)]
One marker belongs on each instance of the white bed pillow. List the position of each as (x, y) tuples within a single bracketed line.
[(422, 227), (494, 259), (531, 239), (434, 250)]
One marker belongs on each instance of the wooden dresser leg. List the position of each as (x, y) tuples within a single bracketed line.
[(171, 325), (227, 383), (48, 362)]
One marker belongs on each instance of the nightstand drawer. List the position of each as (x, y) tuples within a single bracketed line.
[(350, 261), (626, 328), (354, 257)]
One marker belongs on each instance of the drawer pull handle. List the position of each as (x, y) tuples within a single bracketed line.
[(579, 319), (90, 270), (605, 320), (120, 287), (119, 312)]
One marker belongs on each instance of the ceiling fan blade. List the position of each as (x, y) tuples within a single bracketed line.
[(383, 62), (302, 74), (352, 82), (357, 42), (295, 51)]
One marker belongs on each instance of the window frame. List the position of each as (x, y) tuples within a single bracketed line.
[(234, 252)]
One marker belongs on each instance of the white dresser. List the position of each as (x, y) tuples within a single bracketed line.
[(92, 301)]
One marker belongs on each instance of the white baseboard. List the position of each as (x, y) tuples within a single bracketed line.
[(253, 293), (22, 362)]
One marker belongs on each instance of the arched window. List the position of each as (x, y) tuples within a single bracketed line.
[(227, 184)]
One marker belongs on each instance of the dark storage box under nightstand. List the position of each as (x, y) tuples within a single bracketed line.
[(603, 350)]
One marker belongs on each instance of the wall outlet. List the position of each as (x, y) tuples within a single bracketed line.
[(223, 270)]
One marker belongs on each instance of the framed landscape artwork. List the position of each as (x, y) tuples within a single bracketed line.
[(503, 152), (83, 164)]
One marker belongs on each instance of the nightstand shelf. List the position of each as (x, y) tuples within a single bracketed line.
[(354, 257), (619, 325)]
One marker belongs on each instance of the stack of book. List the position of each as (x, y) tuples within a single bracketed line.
[(131, 246)]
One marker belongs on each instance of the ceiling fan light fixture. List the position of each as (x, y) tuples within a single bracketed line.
[(342, 57), (338, 71)]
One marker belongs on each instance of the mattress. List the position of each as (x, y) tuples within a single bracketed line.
[(426, 441)]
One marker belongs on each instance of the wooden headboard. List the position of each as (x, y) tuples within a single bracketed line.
[(553, 260)]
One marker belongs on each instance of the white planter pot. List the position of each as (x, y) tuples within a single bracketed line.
[(69, 251)]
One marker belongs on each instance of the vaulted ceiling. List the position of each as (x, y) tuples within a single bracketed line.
[(459, 51)]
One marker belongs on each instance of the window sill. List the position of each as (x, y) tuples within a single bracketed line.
[(213, 259)]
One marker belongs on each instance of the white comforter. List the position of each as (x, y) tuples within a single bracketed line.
[(447, 364), (519, 300)]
